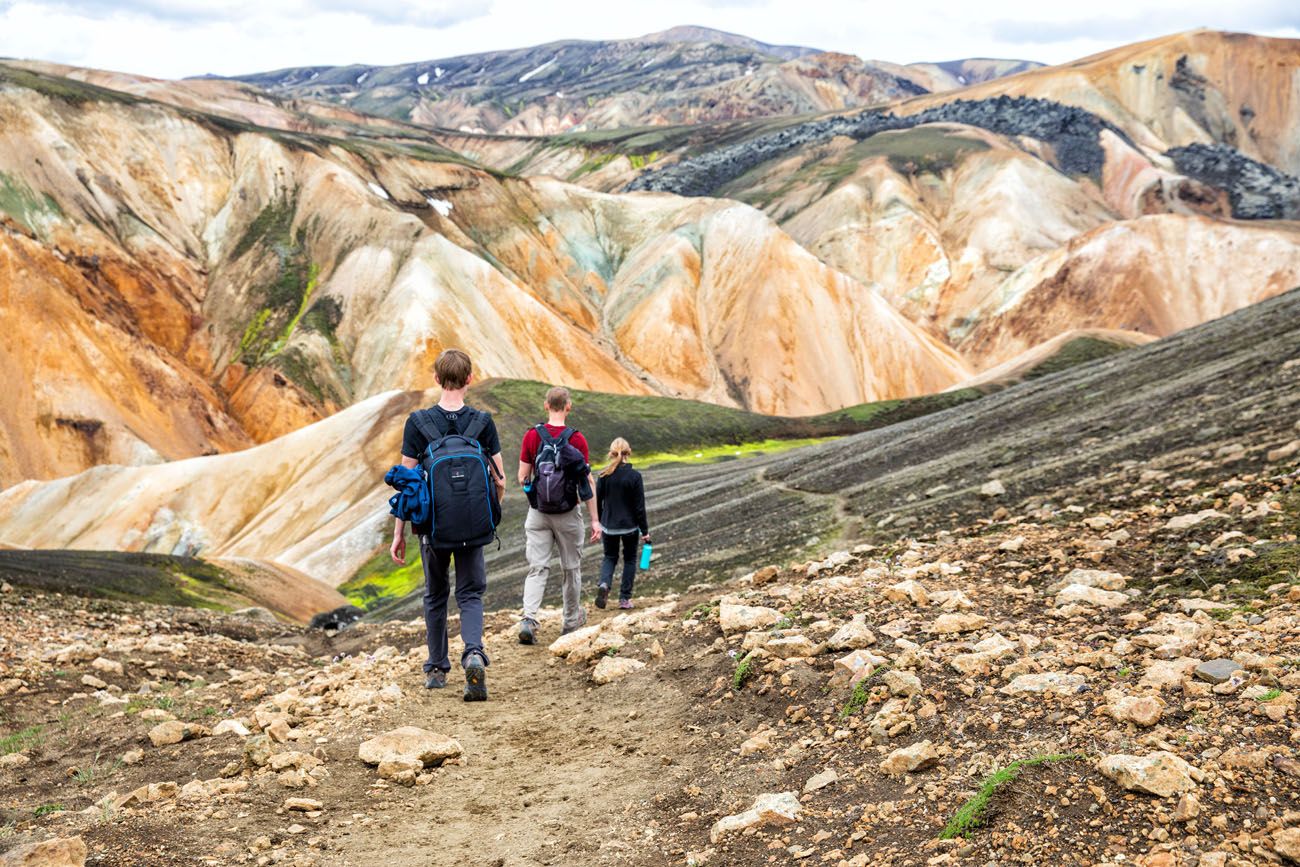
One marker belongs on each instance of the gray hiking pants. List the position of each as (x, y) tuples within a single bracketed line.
[(543, 532)]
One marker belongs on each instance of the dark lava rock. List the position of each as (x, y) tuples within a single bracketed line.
[(340, 618), (1256, 190), (1072, 133), (1216, 670)]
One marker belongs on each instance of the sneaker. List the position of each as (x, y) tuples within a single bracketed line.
[(475, 678), (528, 631), (602, 596), (625, 604), (436, 680)]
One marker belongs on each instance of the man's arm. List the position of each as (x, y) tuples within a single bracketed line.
[(594, 508), (398, 549), (525, 472), (500, 477)]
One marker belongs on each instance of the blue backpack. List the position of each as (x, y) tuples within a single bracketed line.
[(464, 510)]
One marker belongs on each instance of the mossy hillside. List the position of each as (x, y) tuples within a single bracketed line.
[(19, 201), (381, 580), (285, 284), (66, 90), (1080, 350), (154, 578)]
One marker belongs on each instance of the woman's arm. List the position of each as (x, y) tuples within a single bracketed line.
[(638, 493)]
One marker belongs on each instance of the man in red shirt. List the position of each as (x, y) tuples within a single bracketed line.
[(546, 528)]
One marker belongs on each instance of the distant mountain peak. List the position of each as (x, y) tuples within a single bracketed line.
[(710, 36)]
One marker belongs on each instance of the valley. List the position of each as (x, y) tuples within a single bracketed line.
[(966, 393)]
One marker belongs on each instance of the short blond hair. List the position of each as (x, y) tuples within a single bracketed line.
[(557, 399), (453, 369)]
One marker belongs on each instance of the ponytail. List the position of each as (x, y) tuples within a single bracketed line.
[(619, 452)]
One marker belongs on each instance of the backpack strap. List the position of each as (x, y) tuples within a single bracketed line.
[(427, 425), (478, 423), (542, 432)]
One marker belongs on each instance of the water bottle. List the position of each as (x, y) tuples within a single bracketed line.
[(645, 556)]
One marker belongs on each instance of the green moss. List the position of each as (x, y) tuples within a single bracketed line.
[(745, 671), (272, 225), (26, 206), (858, 699), (63, 89), (154, 578), (971, 815), (381, 580), (1080, 350)]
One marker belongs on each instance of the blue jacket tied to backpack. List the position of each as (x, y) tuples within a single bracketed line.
[(411, 502)]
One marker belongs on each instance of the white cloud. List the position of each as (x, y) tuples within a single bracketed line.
[(175, 38)]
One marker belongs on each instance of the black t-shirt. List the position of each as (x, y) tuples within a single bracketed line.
[(414, 443)]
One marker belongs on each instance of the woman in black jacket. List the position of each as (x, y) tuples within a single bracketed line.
[(621, 496)]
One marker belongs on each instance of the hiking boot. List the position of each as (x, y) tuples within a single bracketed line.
[(602, 596), (436, 680), (475, 678), (625, 604), (528, 631)]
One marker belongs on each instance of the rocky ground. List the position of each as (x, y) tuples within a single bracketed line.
[(1105, 678)]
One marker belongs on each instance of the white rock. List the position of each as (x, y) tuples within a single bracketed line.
[(949, 624), (820, 781), (1055, 682), (791, 647), (993, 488), (231, 727), (852, 635), (907, 760), (768, 809), (107, 666), (742, 618), (1082, 593), (409, 743), (1183, 522), (907, 591), (1159, 773), (1090, 578), (612, 668)]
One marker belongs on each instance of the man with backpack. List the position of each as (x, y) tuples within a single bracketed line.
[(555, 474), (458, 453)]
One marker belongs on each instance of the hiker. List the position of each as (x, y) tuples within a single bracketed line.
[(621, 495), (458, 452), (554, 471)]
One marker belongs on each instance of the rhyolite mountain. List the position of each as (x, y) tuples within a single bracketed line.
[(193, 268), (681, 75)]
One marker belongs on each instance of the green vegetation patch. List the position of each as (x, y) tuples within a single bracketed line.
[(25, 205), (972, 814), (1080, 350), (381, 580), (861, 692), (24, 739), (745, 671), (154, 578), (66, 90), (287, 296)]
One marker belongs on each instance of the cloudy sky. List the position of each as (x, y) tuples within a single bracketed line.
[(175, 38)]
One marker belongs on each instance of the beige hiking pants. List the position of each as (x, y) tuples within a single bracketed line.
[(542, 533)]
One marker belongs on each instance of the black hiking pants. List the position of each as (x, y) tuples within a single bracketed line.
[(628, 543), (471, 582)]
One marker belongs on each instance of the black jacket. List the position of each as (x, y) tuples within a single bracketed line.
[(621, 496)]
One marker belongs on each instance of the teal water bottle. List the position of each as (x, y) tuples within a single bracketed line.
[(645, 556)]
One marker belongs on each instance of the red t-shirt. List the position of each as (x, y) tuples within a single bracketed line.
[(533, 442)]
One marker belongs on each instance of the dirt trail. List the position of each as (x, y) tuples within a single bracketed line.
[(557, 771)]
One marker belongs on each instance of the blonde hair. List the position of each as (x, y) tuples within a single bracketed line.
[(619, 452)]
